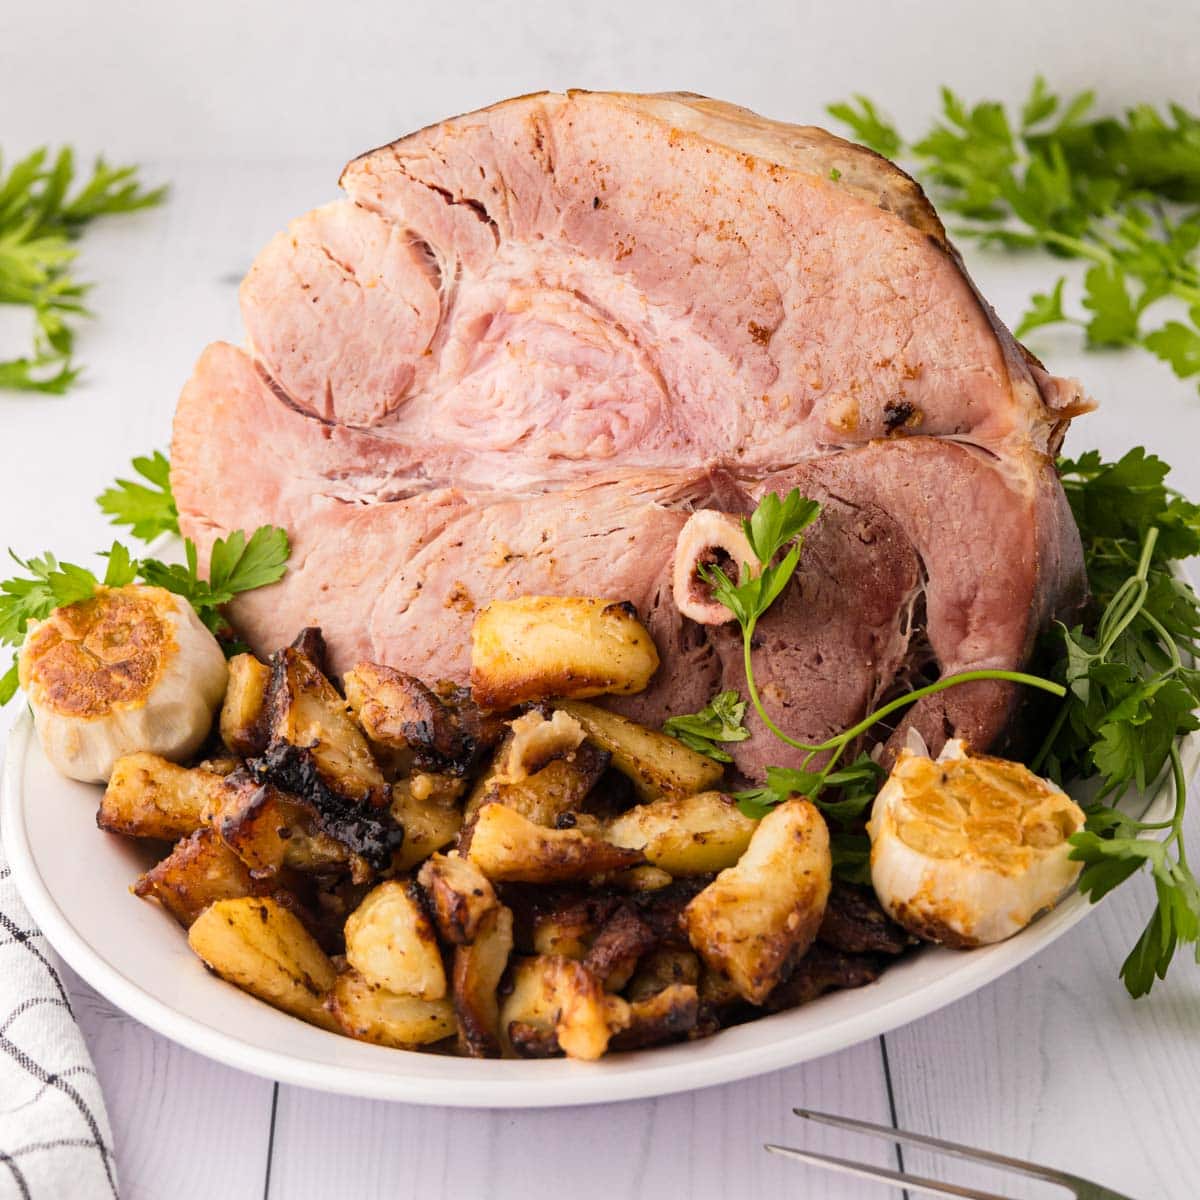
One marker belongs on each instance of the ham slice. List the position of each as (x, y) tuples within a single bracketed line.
[(532, 340)]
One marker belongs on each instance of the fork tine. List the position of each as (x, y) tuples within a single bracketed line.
[(912, 1183), (954, 1149)]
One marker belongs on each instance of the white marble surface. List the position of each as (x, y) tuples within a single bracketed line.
[(248, 111)]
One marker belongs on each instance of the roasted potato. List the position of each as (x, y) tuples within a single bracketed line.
[(373, 1014), (149, 797), (614, 954), (413, 725), (662, 1017), (536, 647), (428, 809), (304, 710), (391, 943), (662, 969), (754, 917), (269, 830), (199, 871), (257, 944), (568, 931), (692, 835), (478, 968), (242, 723), (556, 1003), (657, 765), (459, 894), (507, 847), (559, 787)]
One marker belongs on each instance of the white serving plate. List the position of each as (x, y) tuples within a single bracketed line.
[(75, 881)]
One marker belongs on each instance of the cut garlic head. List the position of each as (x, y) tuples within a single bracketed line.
[(132, 669), (968, 849)]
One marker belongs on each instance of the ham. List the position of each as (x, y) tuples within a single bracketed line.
[(532, 340)]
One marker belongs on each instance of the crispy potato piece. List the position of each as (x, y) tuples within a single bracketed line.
[(390, 942), (693, 835), (508, 848), (222, 765), (750, 921), (613, 956), (536, 647), (305, 710), (257, 944), (243, 723), (555, 1001), (269, 830), (568, 931), (663, 969), (403, 717), (559, 787), (662, 1017), (149, 797), (657, 765), (460, 895), (533, 740), (478, 968), (428, 810), (199, 871), (370, 1013)]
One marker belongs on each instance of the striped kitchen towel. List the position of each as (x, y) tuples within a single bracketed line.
[(55, 1143)]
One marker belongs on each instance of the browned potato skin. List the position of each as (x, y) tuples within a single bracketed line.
[(510, 849), (149, 797), (666, 1015), (304, 709), (269, 831), (754, 918), (561, 786), (690, 835), (242, 722), (198, 872), (258, 945), (430, 823), (613, 956), (369, 1013), (460, 896), (539, 646), (478, 968), (656, 765), (663, 969)]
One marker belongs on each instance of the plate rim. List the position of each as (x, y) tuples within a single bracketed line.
[(610, 1080)]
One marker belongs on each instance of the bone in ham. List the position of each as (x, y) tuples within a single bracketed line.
[(533, 340)]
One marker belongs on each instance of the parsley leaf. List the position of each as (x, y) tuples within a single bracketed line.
[(39, 223), (720, 720), (147, 510), (1120, 193)]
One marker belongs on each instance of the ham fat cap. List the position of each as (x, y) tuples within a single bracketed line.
[(532, 339)]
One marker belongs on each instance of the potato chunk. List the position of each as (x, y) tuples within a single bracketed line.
[(510, 849), (693, 835), (242, 723), (198, 872), (147, 796), (477, 971), (371, 1013), (304, 710), (536, 647), (429, 811), (390, 942), (260, 946), (752, 918), (460, 895), (656, 764)]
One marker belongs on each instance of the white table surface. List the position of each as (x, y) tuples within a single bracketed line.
[(1053, 1062)]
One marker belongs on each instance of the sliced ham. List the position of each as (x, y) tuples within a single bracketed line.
[(532, 340)]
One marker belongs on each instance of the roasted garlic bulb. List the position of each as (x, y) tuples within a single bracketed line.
[(132, 669), (968, 849)]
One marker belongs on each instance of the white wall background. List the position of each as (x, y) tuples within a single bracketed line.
[(329, 78)]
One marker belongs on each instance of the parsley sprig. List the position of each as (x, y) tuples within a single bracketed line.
[(1120, 193), (720, 720), (39, 223), (236, 564), (1132, 692)]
